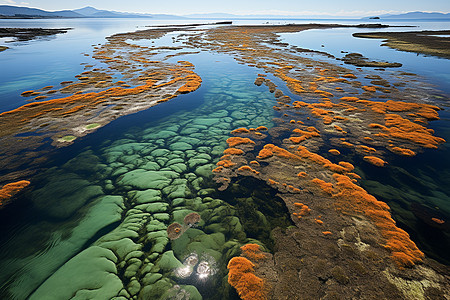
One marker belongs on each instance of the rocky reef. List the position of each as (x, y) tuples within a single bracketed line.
[(427, 42)]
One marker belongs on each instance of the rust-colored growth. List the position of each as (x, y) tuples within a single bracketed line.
[(254, 162), (292, 121), (375, 161), (302, 174), (174, 231), (369, 88), (193, 83), (313, 86), (318, 221), (233, 151), (436, 220), (240, 130), (253, 252), (218, 169), (324, 93), (327, 187), (304, 210), (338, 128), (185, 63), (41, 97), (401, 128), (351, 198), (367, 148), (354, 175), (247, 169), (272, 182), (264, 153), (261, 128), (341, 167), (297, 139), (349, 75), (347, 144), (27, 93), (334, 151), (10, 189), (234, 141), (74, 109), (241, 276), (280, 152), (350, 99), (327, 232), (191, 219), (225, 163), (292, 83)]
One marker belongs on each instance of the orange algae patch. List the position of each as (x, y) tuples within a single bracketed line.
[(218, 169), (327, 187), (324, 93), (10, 189), (375, 161), (326, 232), (350, 99), (402, 151), (27, 93), (253, 252), (398, 127), (272, 182), (254, 162), (234, 141), (74, 109), (225, 163), (271, 149), (264, 153), (341, 167), (367, 149), (240, 130), (349, 76), (304, 210), (302, 174), (347, 144), (369, 88), (338, 128), (233, 151), (436, 220), (292, 84), (261, 128), (193, 83), (334, 151), (241, 276), (318, 221), (352, 198), (247, 168)]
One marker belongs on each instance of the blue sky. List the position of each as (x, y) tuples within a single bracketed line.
[(281, 7)]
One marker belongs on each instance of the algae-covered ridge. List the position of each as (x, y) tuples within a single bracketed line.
[(427, 42), (234, 198)]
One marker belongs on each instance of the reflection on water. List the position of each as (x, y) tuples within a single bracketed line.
[(112, 195)]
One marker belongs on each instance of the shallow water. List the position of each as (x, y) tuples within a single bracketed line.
[(86, 195)]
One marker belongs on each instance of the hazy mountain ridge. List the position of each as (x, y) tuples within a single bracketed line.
[(417, 15), (10, 11), (86, 12)]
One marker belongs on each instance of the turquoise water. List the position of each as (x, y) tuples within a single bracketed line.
[(112, 195)]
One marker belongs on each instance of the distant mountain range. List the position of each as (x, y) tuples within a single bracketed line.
[(416, 15), (8, 11), (18, 12)]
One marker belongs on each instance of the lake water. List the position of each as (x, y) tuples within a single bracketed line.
[(82, 197)]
